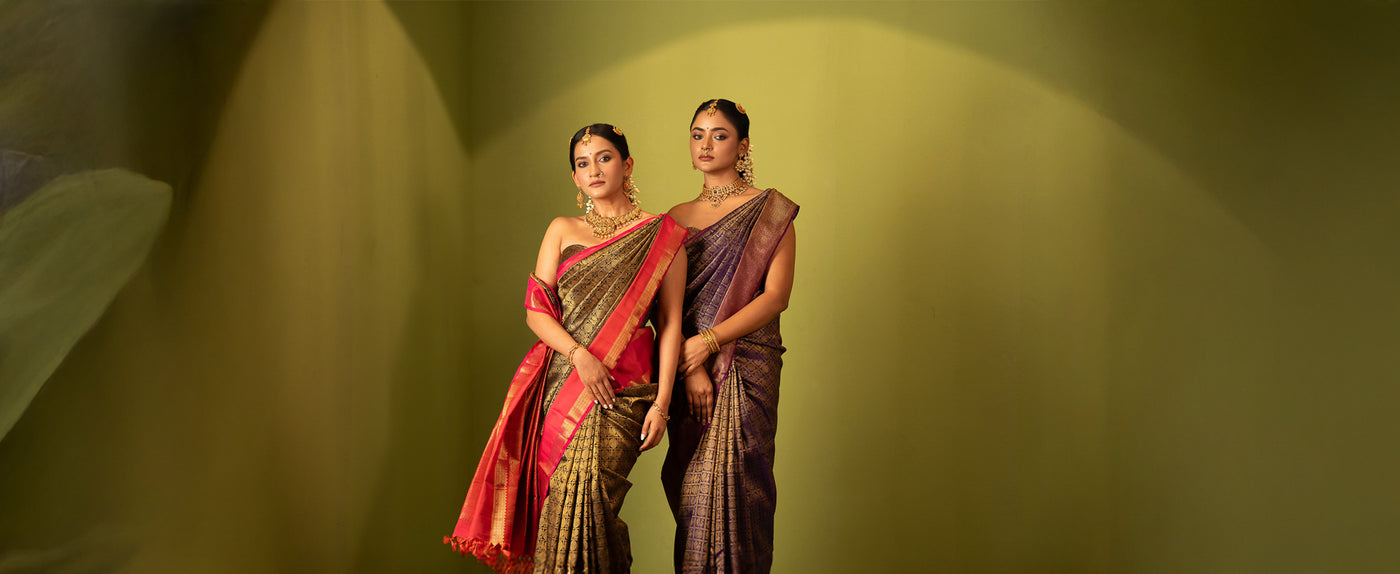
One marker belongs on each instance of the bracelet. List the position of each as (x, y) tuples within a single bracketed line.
[(570, 355), (664, 416), (708, 335)]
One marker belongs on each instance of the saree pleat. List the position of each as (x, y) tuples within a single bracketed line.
[(719, 478), (549, 501), (580, 530)]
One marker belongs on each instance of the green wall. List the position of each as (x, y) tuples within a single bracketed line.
[(1080, 288)]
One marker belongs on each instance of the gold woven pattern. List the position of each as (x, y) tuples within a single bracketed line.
[(590, 290), (719, 478), (579, 528)]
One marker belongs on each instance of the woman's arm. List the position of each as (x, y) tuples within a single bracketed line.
[(759, 312), (668, 326), (594, 375)]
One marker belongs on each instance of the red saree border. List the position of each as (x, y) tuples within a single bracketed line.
[(497, 537), (768, 231)]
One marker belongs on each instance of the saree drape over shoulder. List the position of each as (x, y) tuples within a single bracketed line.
[(551, 481), (719, 478)]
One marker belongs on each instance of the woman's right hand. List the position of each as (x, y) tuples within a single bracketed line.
[(700, 394), (595, 377), (694, 351)]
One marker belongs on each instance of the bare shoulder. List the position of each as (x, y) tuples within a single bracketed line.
[(562, 225), (683, 213), (567, 229)]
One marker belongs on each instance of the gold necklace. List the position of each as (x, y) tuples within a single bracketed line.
[(717, 194), (605, 227)]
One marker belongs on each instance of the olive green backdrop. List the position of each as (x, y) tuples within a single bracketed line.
[(1080, 288)]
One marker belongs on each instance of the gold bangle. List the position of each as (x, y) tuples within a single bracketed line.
[(664, 416), (570, 356), (708, 335)]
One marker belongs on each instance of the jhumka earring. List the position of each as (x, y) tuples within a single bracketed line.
[(630, 188), (580, 198), (745, 165)]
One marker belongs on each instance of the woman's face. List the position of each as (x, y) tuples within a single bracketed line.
[(714, 145), (598, 172)]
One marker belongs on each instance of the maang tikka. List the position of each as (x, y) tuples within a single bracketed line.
[(582, 199)]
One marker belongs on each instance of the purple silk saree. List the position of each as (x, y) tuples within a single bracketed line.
[(719, 478)]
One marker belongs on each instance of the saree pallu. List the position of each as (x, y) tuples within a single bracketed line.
[(546, 493), (719, 478)]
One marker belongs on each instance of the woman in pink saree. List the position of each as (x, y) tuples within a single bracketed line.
[(718, 472), (584, 402)]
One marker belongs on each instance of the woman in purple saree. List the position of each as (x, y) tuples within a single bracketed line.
[(718, 473)]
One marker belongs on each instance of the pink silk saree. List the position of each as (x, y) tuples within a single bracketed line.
[(500, 518)]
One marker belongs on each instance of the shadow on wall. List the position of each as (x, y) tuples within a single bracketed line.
[(160, 74), (101, 104), (1143, 67), (163, 74)]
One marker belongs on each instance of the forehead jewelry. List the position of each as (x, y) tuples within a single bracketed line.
[(713, 105), (587, 135)]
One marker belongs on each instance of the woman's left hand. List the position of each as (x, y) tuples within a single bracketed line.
[(693, 354), (653, 428)]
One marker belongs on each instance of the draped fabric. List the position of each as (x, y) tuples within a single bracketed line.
[(719, 478), (551, 480), (68, 245)]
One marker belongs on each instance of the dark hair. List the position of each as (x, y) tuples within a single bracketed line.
[(731, 112), (605, 131)]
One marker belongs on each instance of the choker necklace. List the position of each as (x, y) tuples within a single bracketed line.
[(717, 194), (605, 227)]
